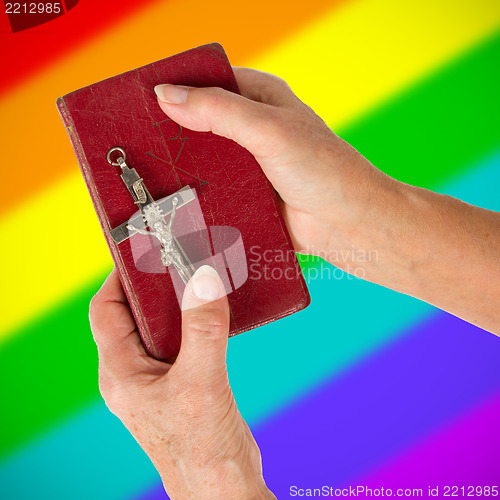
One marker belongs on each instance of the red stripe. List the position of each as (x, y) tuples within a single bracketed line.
[(27, 52)]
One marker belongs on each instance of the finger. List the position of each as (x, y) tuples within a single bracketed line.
[(205, 324), (255, 126), (264, 87), (114, 328)]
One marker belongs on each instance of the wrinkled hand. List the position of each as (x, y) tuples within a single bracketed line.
[(183, 414)]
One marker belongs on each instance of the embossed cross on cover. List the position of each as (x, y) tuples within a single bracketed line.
[(170, 200)]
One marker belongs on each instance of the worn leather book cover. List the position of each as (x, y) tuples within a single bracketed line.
[(234, 223)]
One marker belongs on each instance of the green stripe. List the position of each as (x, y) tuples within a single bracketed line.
[(441, 127), (431, 133), (48, 371)]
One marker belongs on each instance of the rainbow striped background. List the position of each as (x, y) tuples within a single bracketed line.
[(366, 386)]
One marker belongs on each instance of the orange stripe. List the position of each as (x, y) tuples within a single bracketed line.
[(29, 117)]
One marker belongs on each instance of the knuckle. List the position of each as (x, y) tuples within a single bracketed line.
[(207, 322), (280, 83), (107, 389), (211, 104), (111, 390), (95, 311), (272, 89), (215, 99), (93, 305)]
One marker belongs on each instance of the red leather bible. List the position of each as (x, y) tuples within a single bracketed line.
[(227, 213)]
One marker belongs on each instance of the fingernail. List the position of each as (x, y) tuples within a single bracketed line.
[(172, 94), (206, 283)]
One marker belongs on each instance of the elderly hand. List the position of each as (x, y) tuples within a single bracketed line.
[(183, 414), (306, 163)]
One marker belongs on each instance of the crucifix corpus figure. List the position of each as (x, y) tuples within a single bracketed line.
[(155, 220)]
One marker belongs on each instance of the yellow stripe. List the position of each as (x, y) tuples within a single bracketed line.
[(364, 52), (343, 65), (52, 246)]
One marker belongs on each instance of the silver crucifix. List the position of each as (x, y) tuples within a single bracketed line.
[(153, 215)]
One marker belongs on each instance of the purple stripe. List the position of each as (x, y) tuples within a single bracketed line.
[(466, 453), (391, 401)]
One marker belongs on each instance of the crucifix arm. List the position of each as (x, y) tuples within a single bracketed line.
[(140, 231), (174, 208)]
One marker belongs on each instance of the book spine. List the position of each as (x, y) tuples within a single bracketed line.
[(115, 254)]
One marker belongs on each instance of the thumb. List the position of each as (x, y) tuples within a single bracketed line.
[(254, 125), (205, 323)]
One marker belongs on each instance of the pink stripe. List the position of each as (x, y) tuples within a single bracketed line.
[(465, 453)]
